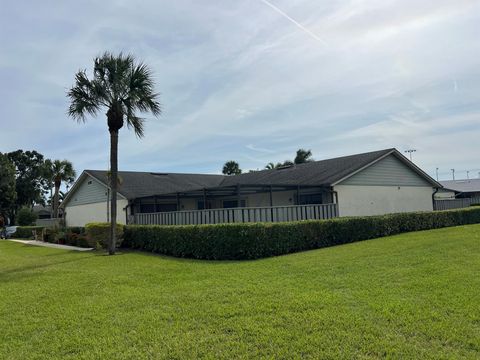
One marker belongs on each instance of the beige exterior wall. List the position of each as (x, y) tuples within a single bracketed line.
[(80, 215), (358, 200)]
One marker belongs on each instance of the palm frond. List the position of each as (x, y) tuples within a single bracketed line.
[(84, 98)]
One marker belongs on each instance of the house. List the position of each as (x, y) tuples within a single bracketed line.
[(42, 212), (466, 188), (373, 183)]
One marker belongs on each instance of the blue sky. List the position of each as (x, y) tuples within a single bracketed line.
[(251, 80)]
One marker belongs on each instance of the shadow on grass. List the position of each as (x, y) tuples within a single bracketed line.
[(187, 260), (20, 272)]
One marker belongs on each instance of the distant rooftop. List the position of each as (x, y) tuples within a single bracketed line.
[(465, 185)]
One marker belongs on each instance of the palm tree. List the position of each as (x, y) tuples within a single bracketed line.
[(271, 166), (303, 156), (231, 168), (123, 87), (60, 170)]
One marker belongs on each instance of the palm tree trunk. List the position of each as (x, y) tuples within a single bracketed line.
[(55, 201), (113, 192)]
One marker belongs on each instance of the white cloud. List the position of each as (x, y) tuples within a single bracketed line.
[(393, 73)]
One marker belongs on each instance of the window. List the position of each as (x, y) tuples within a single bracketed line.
[(233, 203), (89, 182), (147, 208), (166, 207), (151, 208), (310, 199), (200, 205)]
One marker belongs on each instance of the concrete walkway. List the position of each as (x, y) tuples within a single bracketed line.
[(55, 246)]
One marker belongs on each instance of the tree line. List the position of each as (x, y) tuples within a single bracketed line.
[(302, 156), (27, 178)]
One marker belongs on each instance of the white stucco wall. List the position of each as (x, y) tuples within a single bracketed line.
[(358, 200), (80, 215)]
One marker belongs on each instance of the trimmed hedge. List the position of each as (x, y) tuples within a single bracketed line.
[(26, 232), (259, 240), (98, 234)]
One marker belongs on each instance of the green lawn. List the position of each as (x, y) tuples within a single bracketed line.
[(414, 295)]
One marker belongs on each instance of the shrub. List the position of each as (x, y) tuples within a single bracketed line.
[(257, 240), (50, 235), (98, 234), (26, 232), (26, 217)]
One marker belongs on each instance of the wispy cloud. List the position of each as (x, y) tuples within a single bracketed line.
[(394, 73), (295, 22)]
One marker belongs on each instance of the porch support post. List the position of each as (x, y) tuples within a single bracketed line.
[(271, 196), (204, 199), (239, 204), (178, 202), (298, 194)]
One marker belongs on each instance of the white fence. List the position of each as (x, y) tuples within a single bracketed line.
[(455, 203), (240, 215)]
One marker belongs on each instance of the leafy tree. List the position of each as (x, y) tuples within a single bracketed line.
[(123, 87), (303, 156), (59, 170), (26, 217), (8, 193), (231, 168), (271, 166), (32, 179)]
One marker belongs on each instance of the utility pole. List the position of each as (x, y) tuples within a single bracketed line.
[(410, 151), (453, 173), (436, 172)]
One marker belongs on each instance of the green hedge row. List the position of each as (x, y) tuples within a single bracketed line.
[(258, 240), (98, 234)]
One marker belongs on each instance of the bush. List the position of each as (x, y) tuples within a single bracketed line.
[(26, 232), (26, 217), (98, 234), (74, 236), (258, 240)]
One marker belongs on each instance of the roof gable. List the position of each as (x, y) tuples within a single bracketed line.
[(388, 171)]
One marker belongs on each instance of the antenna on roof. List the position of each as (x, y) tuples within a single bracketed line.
[(453, 173), (468, 175)]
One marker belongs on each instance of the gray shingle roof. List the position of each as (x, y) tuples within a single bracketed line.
[(316, 173), (140, 184), (472, 185)]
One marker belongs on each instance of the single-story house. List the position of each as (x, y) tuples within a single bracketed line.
[(466, 188), (372, 183), (42, 212)]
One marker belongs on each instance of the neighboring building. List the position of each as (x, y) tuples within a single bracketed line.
[(467, 188), (372, 183), (43, 212), (445, 194)]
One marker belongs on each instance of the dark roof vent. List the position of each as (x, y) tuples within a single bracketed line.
[(159, 174)]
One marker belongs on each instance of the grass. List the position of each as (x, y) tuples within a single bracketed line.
[(413, 295)]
